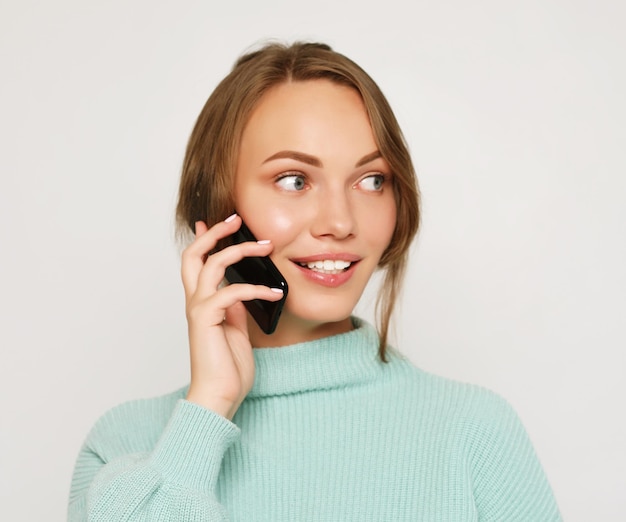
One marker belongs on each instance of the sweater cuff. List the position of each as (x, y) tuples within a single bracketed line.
[(192, 446)]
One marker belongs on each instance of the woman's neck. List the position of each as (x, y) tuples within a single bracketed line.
[(292, 330)]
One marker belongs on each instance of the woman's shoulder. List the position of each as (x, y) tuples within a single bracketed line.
[(473, 428), (461, 402), (136, 423), (151, 408)]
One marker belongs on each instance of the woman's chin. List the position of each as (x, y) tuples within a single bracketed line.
[(294, 329)]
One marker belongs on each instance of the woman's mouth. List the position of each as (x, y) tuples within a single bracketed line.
[(327, 266), (331, 270)]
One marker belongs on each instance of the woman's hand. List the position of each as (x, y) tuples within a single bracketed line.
[(222, 364)]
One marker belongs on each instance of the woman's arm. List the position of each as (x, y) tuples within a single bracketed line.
[(175, 480), (115, 480), (509, 482)]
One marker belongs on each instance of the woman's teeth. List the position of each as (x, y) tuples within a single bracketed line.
[(327, 266)]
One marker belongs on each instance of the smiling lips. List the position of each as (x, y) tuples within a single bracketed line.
[(327, 266), (328, 270)]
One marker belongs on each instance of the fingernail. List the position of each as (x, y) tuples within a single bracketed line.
[(277, 290), (230, 218), (263, 242)]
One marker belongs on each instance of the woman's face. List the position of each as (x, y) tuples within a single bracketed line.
[(310, 178)]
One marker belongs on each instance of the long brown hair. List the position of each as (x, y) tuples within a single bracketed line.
[(206, 187)]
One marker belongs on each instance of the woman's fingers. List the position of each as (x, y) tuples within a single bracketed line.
[(194, 256), (237, 317), (202, 274), (200, 228), (212, 310), (214, 269)]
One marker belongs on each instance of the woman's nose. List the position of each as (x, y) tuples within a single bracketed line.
[(334, 217)]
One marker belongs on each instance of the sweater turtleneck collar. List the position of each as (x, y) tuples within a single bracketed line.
[(337, 361)]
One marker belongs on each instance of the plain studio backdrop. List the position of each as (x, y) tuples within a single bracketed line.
[(514, 113)]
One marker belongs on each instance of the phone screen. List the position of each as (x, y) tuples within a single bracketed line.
[(258, 271)]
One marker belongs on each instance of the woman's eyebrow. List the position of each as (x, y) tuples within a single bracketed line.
[(316, 162), (294, 155), (368, 157)]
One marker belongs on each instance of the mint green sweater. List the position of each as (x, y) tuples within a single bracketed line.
[(328, 433)]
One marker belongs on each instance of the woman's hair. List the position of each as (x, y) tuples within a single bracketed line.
[(206, 187)]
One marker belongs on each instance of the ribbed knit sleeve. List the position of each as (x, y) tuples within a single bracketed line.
[(508, 480), (128, 472)]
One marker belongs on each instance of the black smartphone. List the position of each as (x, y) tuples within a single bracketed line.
[(258, 271)]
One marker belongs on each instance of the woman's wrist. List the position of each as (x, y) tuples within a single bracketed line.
[(218, 405)]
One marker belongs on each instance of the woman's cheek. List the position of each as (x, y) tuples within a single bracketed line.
[(281, 221), (278, 224)]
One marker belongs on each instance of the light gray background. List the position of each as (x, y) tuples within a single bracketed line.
[(514, 112)]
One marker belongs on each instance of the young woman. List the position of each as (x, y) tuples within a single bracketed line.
[(320, 420)]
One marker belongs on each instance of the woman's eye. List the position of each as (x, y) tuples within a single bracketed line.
[(294, 182), (373, 183)]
